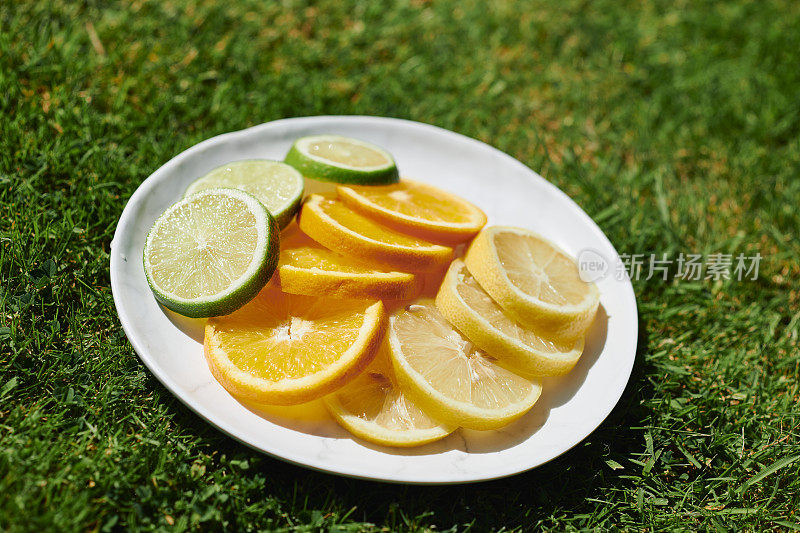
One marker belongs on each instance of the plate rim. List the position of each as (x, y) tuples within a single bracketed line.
[(219, 423)]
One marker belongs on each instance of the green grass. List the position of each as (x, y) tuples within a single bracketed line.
[(675, 125)]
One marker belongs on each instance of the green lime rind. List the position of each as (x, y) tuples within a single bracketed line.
[(283, 207), (285, 217), (326, 170), (245, 289)]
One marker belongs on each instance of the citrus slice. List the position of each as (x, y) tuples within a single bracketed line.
[(523, 351), (305, 267), (286, 349), (373, 407), (276, 185), (210, 253), (339, 228), (417, 209), (342, 160), (448, 377), (533, 280)]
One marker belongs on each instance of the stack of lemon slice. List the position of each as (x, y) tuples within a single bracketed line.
[(371, 310)]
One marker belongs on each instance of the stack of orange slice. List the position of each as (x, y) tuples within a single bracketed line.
[(350, 314)]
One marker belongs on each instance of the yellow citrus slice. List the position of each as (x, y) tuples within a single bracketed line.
[(307, 268), (416, 209), (431, 281), (533, 280), (286, 349), (339, 228), (522, 350), (373, 407), (448, 377)]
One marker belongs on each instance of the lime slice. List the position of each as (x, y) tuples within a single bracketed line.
[(276, 185), (342, 160), (211, 253)]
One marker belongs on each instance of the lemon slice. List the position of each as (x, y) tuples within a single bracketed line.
[(417, 209), (342, 160), (276, 185), (211, 253), (285, 349), (522, 350), (534, 281), (448, 377), (338, 228), (373, 407), (305, 267)]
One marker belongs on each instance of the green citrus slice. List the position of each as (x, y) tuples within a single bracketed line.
[(342, 160), (211, 253), (276, 185)]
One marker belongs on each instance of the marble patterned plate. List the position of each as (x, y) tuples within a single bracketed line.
[(570, 408)]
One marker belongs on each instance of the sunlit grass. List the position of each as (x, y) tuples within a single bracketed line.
[(675, 125)]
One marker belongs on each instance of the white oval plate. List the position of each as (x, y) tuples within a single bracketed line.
[(570, 407)]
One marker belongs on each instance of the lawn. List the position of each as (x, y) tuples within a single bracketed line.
[(675, 125)]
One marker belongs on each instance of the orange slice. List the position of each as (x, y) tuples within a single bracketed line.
[(417, 209), (285, 349), (307, 268), (339, 228)]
